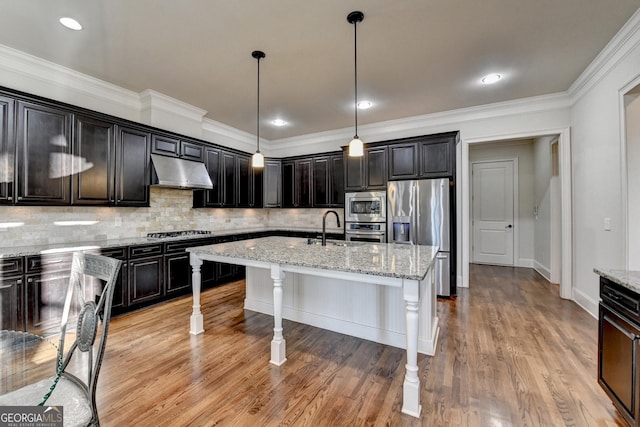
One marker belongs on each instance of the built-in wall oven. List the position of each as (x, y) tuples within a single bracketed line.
[(366, 216)]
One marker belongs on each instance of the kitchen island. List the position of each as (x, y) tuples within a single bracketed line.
[(404, 267)]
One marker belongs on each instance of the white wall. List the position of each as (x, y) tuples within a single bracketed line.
[(542, 203), (632, 116), (523, 152)]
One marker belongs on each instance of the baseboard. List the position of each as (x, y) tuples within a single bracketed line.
[(525, 262), (586, 302), (544, 271)]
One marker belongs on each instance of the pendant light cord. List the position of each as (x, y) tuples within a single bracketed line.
[(355, 71), (258, 110)]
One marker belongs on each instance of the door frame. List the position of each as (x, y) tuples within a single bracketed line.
[(462, 175), (516, 208)]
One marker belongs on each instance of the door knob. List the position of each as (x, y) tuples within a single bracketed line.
[(509, 226)]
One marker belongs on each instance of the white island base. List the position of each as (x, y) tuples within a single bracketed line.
[(360, 309)]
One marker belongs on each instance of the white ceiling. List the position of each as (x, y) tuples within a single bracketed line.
[(414, 56)]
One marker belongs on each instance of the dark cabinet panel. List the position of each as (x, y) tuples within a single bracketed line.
[(192, 151), (436, 158), (354, 173), (146, 280), (45, 301), (376, 168), (288, 184), (132, 164), (121, 288), (165, 145), (321, 181), (272, 182), (7, 150), (212, 163), (177, 273), (336, 194), (303, 180), (246, 182), (403, 161), (228, 169), (44, 154), (94, 156), (11, 291)]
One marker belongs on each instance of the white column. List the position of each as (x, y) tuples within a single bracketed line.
[(278, 345), (197, 322), (411, 386)]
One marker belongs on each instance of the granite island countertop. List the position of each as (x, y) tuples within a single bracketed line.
[(628, 278), (378, 259)]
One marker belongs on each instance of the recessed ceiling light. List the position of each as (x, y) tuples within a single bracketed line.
[(490, 78), (363, 105), (278, 122), (70, 23)]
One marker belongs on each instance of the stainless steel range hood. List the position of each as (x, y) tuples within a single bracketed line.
[(179, 173)]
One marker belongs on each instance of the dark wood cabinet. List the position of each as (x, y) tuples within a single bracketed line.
[(173, 146), (211, 198), (403, 161), (11, 292), (94, 162), (297, 183), (619, 348), (7, 150), (132, 166), (146, 279), (328, 181), (437, 157), (43, 139), (272, 183), (121, 289), (228, 171), (249, 183), (368, 172)]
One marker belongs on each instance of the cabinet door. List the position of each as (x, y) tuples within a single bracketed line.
[(212, 162), (229, 189), (618, 348), (376, 168), (336, 197), (403, 161), (94, 154), (436, 158), (7, 150), (288, 184), (165, 145), (44, 154), (303, 182), (272, 181), (192, 151), (354, 173), (11, 303), (132, 175), (321, 182), (46, 293), (177, 273), (146, 281), (245, 181)]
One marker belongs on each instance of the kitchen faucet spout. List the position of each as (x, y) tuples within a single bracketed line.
[(324, 222)]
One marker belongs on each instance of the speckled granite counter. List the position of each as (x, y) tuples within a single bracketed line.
[(399, 261), (381, 292), (628, 279)]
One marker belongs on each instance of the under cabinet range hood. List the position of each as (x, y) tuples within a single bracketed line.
[(180, 173)]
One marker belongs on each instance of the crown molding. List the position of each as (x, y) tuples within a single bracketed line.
[(625, 40), (229, 136), (55, 77), (152, 100)]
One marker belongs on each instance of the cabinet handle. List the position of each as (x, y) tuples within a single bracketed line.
[(614, 297), (10, 198)]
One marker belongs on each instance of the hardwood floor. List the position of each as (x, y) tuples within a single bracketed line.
[(510, 353)]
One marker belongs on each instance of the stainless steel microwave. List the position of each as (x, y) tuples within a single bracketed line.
[(365, 206)]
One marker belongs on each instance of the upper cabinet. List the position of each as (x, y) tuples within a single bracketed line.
[(437, 157), (316, 181), (272, 183), (172, 146), (328, 181), (7, 149), (45, 162), (133, 176), (403, 161), (368, 172), (296, 183)]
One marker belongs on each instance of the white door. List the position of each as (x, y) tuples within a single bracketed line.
[(492, 216)]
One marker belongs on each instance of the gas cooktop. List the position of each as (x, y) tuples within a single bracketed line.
[(165, 234)]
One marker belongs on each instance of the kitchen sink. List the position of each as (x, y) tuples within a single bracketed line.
[(329, 242)]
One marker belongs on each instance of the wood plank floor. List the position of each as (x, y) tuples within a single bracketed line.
[(510, 353)]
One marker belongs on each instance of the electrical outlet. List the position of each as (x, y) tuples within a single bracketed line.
[(607, 224)]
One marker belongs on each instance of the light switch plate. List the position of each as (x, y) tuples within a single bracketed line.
[(607, 224)]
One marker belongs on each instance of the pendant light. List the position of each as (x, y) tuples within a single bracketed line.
[(257, 161), (355, 146)]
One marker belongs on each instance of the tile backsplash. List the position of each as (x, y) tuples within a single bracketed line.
[(169, 210)]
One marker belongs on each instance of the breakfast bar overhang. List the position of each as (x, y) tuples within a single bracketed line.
[(406, 267)]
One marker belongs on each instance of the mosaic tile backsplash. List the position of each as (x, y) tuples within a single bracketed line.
[(169, 210)]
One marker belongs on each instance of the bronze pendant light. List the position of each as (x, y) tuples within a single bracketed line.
[(356, 148), (257, 161)]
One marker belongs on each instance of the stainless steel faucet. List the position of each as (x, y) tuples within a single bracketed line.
[(324, 221)]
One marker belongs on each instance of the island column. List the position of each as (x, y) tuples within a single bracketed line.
[(197, 322), (278, 344), (411, 386)]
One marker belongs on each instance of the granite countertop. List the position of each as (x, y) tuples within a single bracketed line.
[(627, 278), (391, 260), (26, 250)]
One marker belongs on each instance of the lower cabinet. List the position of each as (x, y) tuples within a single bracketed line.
[(146, 281), (45, 295), (11, 289), (121, 288)]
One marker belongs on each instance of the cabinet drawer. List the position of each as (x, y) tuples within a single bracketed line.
[(117, 253), (49, 262), (11, 266), (145, 251), (620, 298), (171, 247)]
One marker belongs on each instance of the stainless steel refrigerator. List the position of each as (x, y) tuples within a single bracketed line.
[(418, 213)]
